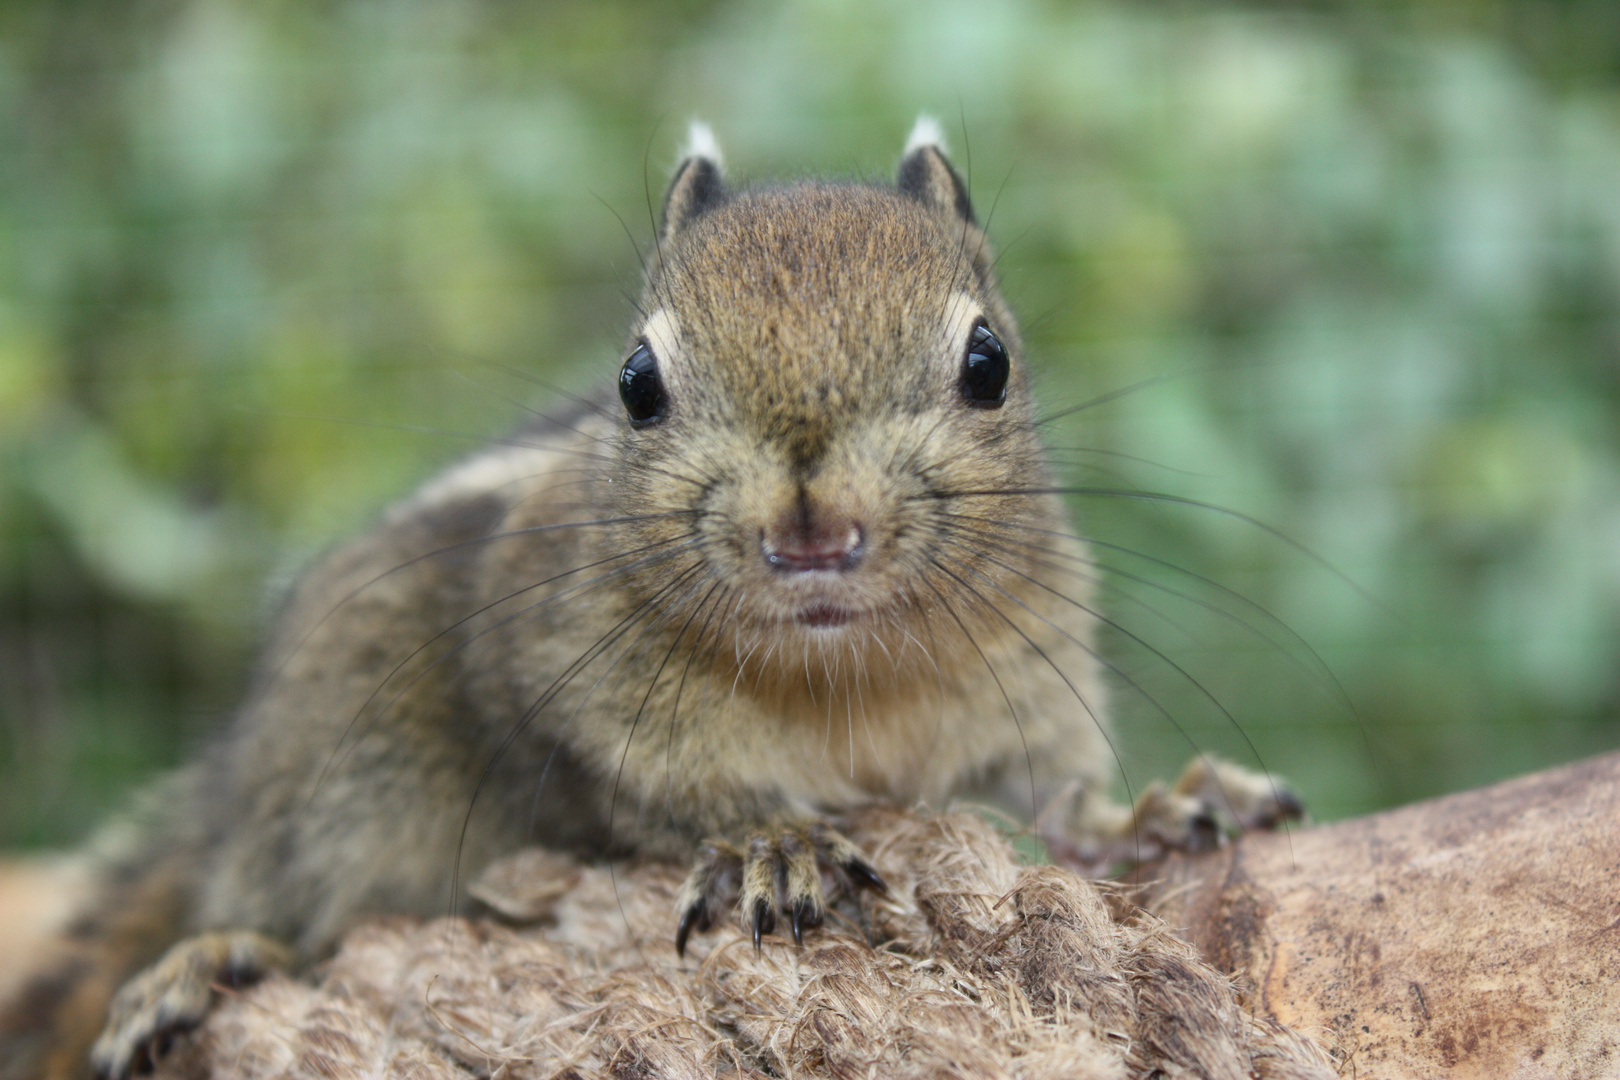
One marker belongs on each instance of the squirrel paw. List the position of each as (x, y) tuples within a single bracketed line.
[(777, 870), (1210, 798), (174, 994)]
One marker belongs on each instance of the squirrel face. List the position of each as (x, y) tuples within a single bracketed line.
[(821, 376)]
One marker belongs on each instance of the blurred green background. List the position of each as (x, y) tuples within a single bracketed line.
[(258, 263)]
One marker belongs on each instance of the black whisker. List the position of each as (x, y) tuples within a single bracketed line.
[(1102, 729), (528, 610), (618, 775), (646, 191), (1118, 628), (652, 684), (1321, 673), (522, 406), (1012, 711), (422, 429), (562, 680), (628, 235), (675, 708), (1022, 549), (1126, 457), (1178, 500), (450, 549), (589, 404), (1115, 395)]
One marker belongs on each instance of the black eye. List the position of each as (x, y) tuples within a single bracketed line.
[(641, 389), (985, 369)]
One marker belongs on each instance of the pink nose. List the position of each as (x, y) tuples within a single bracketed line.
[(795, 548)]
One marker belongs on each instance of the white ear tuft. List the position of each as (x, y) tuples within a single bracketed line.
[(925, 132), (701, 143)]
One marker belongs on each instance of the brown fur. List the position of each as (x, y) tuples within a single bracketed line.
[(573, 640)]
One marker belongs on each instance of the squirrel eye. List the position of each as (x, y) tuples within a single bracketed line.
[(985, 369), (641, 389)]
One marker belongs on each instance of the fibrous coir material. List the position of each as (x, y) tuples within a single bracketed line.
[(972, 965)]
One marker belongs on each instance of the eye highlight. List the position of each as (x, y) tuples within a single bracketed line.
[(985, 369), (641, 388)]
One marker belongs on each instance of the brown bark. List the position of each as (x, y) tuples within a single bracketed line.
[(1472, 935)]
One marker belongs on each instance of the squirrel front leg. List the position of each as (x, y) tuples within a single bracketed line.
[(777, 869), (1211, 799), (175, 994)]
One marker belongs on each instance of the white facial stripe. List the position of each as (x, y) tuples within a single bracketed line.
[(964, 311), (663, 333)]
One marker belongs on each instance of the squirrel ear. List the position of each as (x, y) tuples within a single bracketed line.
[(699, 183), (926, 174)]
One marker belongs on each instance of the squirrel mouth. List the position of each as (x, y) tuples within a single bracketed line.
[(824, 616)]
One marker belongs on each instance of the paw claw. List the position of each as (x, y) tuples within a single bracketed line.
[(1204, 831), (775, 878), (805, 914), (764, 920), (863, 875), (1285, 805), (695, 917)]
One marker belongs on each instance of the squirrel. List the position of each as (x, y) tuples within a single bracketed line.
[(808, 556)]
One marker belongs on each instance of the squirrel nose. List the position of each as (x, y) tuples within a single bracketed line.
[(797, 547)]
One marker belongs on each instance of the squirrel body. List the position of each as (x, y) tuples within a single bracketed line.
[(810, 558)]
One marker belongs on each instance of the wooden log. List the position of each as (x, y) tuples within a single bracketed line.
[(1476, 935)]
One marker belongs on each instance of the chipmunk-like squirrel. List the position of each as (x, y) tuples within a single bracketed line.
[(807, 557)]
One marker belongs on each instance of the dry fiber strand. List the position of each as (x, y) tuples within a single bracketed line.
[(986, 968)]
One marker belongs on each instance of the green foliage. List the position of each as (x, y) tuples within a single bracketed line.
[(262, 267)]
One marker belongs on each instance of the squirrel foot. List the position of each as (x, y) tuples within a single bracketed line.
[(1250, 800), (1211, 800), (777, 870), (174, 995)]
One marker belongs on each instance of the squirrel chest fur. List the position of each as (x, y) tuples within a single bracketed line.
[(807, 557)]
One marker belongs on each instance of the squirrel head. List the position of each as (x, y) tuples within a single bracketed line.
[(820, 376)]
